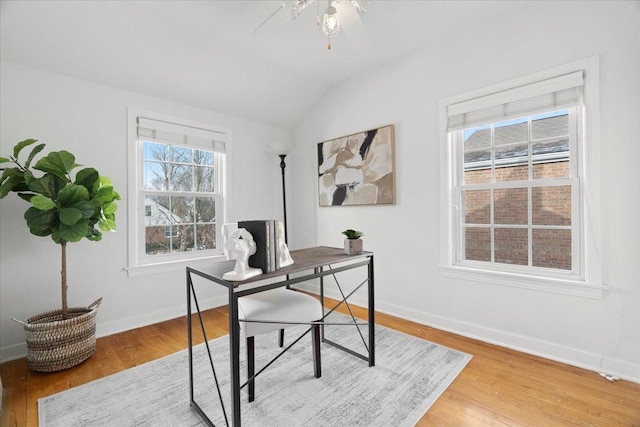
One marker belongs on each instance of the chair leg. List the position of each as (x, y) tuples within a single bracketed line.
[(281, 338), (315, 345), (251, 367)]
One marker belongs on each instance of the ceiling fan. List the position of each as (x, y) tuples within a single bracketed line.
[(339, 16)]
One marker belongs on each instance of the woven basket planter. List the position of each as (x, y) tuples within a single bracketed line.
[(54, 344)]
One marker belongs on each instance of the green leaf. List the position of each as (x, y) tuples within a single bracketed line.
[(41, 233), (109, 208), (105, 195), (12, 179), (20, 145), (72, 193), (71, 233), (87, 207), (43, 203), (45, 185), (38, 220), (94, 235), (38, 148), (59, 163), (26, 196), (107, 224), (70, 216), (88, 178), (4, 160)]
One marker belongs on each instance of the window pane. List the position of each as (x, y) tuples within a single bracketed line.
[(477, 176), (512, 163), (206, 236), (182, 209), (510, 206), (153, 151), (155, 176), (552, 249), (478, 137), (510, 131), (156, 241), (181, 178), (203, 157), (551, 205), (551, 159), (550, 125), (183, 242), (205, 209), (204, 178), (477, 244), (511, 246), (551, 170), (477, 207), (159, 210), (181, 154)]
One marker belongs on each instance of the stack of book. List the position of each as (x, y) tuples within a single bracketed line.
[(266, 236)]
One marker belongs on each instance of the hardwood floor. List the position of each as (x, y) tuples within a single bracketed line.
[(499, 387)]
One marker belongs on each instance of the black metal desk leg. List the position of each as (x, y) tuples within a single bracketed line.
[(316, 271), (372, 320), (234, 348), (190, 337)]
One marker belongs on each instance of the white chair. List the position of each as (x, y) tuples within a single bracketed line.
[(280, 304)]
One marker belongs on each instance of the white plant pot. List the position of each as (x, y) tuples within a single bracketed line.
[(352, 246)]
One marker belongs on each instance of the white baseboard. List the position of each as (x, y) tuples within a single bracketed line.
[(570, 356), (17, 351)]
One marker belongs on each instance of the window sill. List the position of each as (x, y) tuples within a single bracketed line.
[(169, 266), (546, 284)]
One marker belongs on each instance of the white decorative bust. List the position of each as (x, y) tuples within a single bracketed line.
[(283, 250), (241, 246)]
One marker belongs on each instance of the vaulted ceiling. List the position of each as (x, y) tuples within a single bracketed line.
[(206, 54)]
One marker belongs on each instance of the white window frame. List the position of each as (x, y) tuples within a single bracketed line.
[(138, 262), (585, 281)]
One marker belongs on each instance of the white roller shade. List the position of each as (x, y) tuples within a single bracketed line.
[(170, 133), (516, 102)]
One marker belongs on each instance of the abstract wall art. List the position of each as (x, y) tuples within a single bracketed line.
[(358, 169)]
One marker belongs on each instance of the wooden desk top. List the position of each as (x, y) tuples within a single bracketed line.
[(303, 259)]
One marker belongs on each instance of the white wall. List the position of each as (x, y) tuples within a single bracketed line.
[(600, 334), (90, 121)]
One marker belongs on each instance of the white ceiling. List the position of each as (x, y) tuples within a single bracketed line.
[(203, 53)]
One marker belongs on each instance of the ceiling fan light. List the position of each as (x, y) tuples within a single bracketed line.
[(298, 6), (330, 24)]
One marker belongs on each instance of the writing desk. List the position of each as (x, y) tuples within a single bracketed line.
[(310, 263)]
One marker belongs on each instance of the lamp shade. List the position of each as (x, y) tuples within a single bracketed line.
[(280, 147)]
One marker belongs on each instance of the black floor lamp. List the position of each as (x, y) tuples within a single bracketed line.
[(283, 165), (282, 149)]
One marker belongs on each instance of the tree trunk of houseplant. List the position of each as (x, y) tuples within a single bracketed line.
[(63, 274)]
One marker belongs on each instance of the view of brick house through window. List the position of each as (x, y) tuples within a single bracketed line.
[(180, 214), (517, 193)]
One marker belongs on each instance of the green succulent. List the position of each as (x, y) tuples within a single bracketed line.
[(352, 234)]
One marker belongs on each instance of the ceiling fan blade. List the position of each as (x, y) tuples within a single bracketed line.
[(352, 25), (282, 6)]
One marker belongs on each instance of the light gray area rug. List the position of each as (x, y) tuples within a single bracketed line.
[(410, 374)]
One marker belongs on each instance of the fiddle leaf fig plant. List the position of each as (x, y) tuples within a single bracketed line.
[(64, 207)]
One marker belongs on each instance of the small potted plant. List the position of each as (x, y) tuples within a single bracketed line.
[(68, 209), (353, 243)]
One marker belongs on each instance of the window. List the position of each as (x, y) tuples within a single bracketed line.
[(178, 190), (515, 183), (515, 192)]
